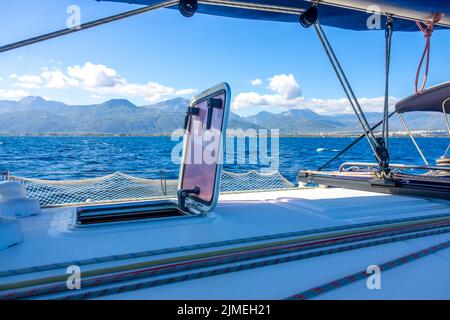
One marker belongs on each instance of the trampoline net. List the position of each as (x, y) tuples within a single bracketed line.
[(118, 187)]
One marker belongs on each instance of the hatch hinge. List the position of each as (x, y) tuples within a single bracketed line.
[(182, 194)]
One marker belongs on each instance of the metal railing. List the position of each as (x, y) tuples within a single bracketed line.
[(368, 165)]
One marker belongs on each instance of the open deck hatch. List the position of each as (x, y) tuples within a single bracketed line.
[(200, 169)]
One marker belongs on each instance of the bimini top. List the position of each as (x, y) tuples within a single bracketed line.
[(432, 99), (345, 14)]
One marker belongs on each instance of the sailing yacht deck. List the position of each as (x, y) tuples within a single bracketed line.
[(49, 238)]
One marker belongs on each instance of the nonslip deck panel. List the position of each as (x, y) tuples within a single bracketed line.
[(244, 215)]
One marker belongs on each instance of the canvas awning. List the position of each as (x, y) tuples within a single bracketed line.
[(431, 99), (345, 14)]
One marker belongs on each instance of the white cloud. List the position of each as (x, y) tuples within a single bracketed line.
[(104, 80), (13, 76), (333, 106), (286, 94), (256, 82), (29, 81), (94, 75), (322, 106), (285, 85), (30, 78), (27, 85), (13, 94), (249, 99), (57, 79), (99, 79), (152, 92)]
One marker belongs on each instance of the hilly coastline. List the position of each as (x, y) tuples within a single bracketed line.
[(37, 116)]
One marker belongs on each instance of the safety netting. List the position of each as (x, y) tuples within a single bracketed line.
[(123, 187)]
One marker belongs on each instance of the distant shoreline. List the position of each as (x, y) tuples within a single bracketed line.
[(306, 135)]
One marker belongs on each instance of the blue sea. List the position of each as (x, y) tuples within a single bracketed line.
[(86, 157)]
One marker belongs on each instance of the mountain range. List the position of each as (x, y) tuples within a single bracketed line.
[(36, 115)]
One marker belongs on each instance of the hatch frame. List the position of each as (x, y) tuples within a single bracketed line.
[(137, 211), (194, 204)]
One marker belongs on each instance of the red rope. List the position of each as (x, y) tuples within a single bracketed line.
[(428, 31)]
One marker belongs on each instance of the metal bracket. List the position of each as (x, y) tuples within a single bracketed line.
[(182, 194), (212, 103), (383, 153), (191, 111)]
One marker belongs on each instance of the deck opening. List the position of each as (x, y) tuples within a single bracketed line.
[(126, 212)]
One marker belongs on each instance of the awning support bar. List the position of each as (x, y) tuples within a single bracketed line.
[(412, 139), (446, 123), (445, 114)]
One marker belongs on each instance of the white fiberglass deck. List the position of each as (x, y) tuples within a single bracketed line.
[(47, 240)]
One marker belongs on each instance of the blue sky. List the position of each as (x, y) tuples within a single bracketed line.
[(160, 55)]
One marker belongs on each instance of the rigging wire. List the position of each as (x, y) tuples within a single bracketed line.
[(373, 143), (388, 36), (87, 25), (383, 147), (352, 144)]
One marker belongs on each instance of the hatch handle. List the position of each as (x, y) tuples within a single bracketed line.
[(212, 103), (190, 111), (183, 194)]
